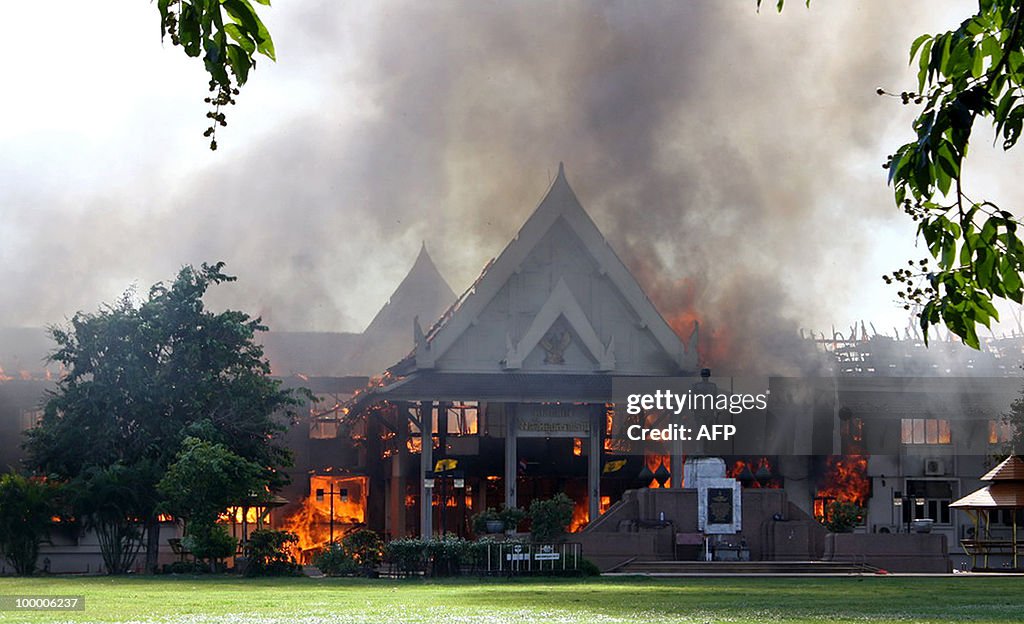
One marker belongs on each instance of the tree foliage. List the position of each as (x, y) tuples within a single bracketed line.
[(205, 479), (228, 34), (550, 517), (114, 501), (975, 256), (26, 508), (141, 377)]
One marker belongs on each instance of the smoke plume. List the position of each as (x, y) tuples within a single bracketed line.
[(731, 158)]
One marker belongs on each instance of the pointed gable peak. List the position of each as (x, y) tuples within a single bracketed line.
[(423, 263), (423, 290), (560, 195)]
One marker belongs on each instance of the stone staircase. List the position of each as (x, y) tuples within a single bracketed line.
[(734, 568)]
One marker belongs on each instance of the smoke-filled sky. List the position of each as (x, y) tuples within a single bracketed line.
[(731, 157)]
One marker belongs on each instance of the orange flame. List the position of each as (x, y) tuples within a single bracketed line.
[(580, 515), (846, 479), (312, 520)]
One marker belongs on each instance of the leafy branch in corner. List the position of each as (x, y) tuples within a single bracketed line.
[(975, 254), (228, 34)]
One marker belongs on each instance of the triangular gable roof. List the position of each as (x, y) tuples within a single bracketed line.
[(559, 202), (560, 303)]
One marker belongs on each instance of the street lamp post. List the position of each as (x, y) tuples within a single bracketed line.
[(440, 478), (342, 493), (899, 500)]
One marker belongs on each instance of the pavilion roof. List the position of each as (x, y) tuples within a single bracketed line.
[(1000, 495), (1011, 469)]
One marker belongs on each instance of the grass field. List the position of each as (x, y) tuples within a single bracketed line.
[(220, 600)]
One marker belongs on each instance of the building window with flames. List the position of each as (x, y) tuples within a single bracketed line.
[(999, 432), (925, 431), (463, 418), (325, 416)]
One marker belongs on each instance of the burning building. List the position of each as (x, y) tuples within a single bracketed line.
[(511, 385)]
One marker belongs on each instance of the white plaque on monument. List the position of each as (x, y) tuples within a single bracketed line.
[(719, 506)]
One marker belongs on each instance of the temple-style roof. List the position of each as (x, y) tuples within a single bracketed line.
[(557, 281), (551, 319), (423, 294)]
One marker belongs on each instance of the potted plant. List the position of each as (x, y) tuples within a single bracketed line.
[(488, 521), (511, 517)]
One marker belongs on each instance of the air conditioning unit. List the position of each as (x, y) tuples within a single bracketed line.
[(886, 528), (934, 467)]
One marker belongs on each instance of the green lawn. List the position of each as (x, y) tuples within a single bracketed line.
[(191, 600)]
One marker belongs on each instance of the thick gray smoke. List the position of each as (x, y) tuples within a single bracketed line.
[(731, 158)]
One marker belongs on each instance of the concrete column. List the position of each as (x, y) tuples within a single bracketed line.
[(594, 462), (426, 465), (396, 511), (511, 453)]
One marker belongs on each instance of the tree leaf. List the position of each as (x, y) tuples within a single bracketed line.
[(241, 37), (240, 62)]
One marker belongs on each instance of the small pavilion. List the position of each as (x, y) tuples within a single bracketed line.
[(993, 507)]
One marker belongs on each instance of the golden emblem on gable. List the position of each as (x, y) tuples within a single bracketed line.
[(554, 345)]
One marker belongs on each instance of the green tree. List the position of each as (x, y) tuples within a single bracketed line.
[(205, 479), (975, 72), (143, 376), (27, 507), (228, 34), (1014, 419), (113, 501)]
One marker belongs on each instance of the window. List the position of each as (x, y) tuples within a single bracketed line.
[(323, 430), (925, 431), (463, 418), (999, 432), (936, 496)]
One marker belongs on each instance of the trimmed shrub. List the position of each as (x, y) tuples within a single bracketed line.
[(589, 568), (211, 543), (842, 516), (550, 517), (406, 555), (270, 554), (365, 548), (26, 506), (335, 561)]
